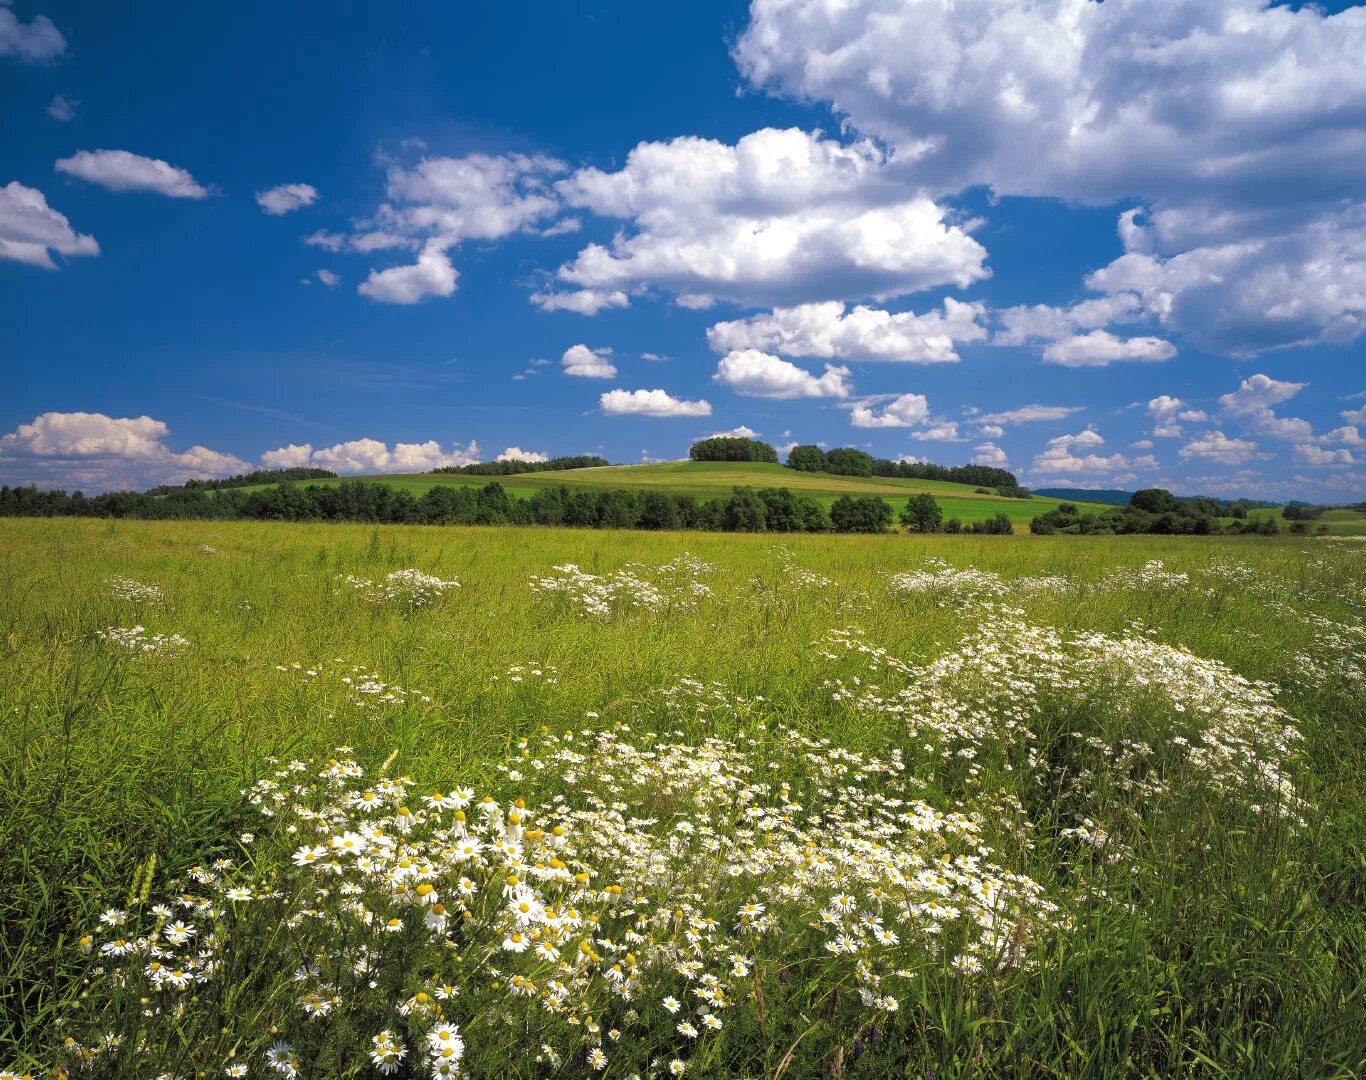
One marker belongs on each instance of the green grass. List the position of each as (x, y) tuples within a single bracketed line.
[(1233, 949), (714, 479)]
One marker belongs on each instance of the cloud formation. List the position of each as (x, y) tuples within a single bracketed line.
[(516, 453), (284, 198), (119, 170), (30, 230), (368, 456), (1074, 455), (905, 410), (588, 363), (33, 42), (658, 403), (759, 374)]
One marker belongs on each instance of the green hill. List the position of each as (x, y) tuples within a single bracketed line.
[(710, 479)]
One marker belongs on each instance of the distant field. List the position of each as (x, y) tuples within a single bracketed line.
[(712, 479)]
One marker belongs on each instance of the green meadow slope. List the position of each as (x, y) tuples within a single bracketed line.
[(713, 479)]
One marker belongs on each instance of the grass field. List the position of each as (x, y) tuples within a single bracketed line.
[(829, 806), (714, 479)]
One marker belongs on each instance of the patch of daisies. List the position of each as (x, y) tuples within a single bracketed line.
[(411, 588), (675, 586), (620, 905)]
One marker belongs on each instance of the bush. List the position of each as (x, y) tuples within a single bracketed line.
[(861, 514), (996, 525)]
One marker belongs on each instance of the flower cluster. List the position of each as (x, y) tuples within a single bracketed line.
[(135, 592), (411, 587), (659, 893), (673, 586), (951, 586), (1151, 575), (136, 639)]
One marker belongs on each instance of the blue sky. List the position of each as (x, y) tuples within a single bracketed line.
[(1108, 244)]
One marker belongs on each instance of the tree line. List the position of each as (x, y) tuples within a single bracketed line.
[(520, 465), (1152, 510)]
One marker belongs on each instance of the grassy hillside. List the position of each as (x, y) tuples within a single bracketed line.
[(712, 479)]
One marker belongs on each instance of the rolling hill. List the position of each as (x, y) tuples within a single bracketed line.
[(714, 479)]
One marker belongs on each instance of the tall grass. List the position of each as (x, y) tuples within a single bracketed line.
[(1235, 952)]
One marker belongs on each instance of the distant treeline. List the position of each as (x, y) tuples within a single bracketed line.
[(519, 465), (1154, 510), (745, 510), (847, 461), (260, 476)]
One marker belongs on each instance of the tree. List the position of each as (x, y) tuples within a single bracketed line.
[(860, 514), (922, 514), (1153, 500), (780, 510), (996, 525), (807, 459), (744, 512), (658, 511), (847, 461)]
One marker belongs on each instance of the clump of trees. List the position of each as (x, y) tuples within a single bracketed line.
[(520, 465), (846, 461), (924, 515), (1152, 510), (732, 448), (860, 514)]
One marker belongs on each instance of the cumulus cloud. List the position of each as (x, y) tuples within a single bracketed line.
[(99, 452), (906, 410), (30, 230), (516, 453), (741, 432), (650, 403), (327, 277), (583, 301), (1100, 348), (1250, 406), (33, 42), (62, 108), (1166, 410), (990, 454), (588, 363), (1216, 446), (759, 374), (1309, 454), (431, 275), (781, 217), (865, 333), (940, 431), (1248, 160), (1074, 455), (119, 170), (284, 198), (367, 456)]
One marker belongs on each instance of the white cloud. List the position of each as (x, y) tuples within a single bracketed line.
[(740, 432), (1028, 414), (284, 198), (431, 275), (1216, 446), (656, 358), (30, 230), (1081, 100), (327, 277), (1313, 455), (650, 403), (1163, 410), (98, 452), (865, 333), (991, 431), (516, 453), (1250, 407), (990, 454), (1343, 436), (119, 170), (62, 108), (584, 301), (1073, 455), (781, 217), (1100, 348), (588, 363), (941, 431), (34, 41), (368, 456), (759, 374), (906, 410), (1355, 416), (1029, 324), (1249, 157)]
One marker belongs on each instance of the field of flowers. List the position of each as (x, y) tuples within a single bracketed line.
[(325, 801)]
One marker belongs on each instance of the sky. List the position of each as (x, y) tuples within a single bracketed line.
[(1116, 244)]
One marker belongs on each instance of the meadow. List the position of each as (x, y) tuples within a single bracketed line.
[(330, 800)]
